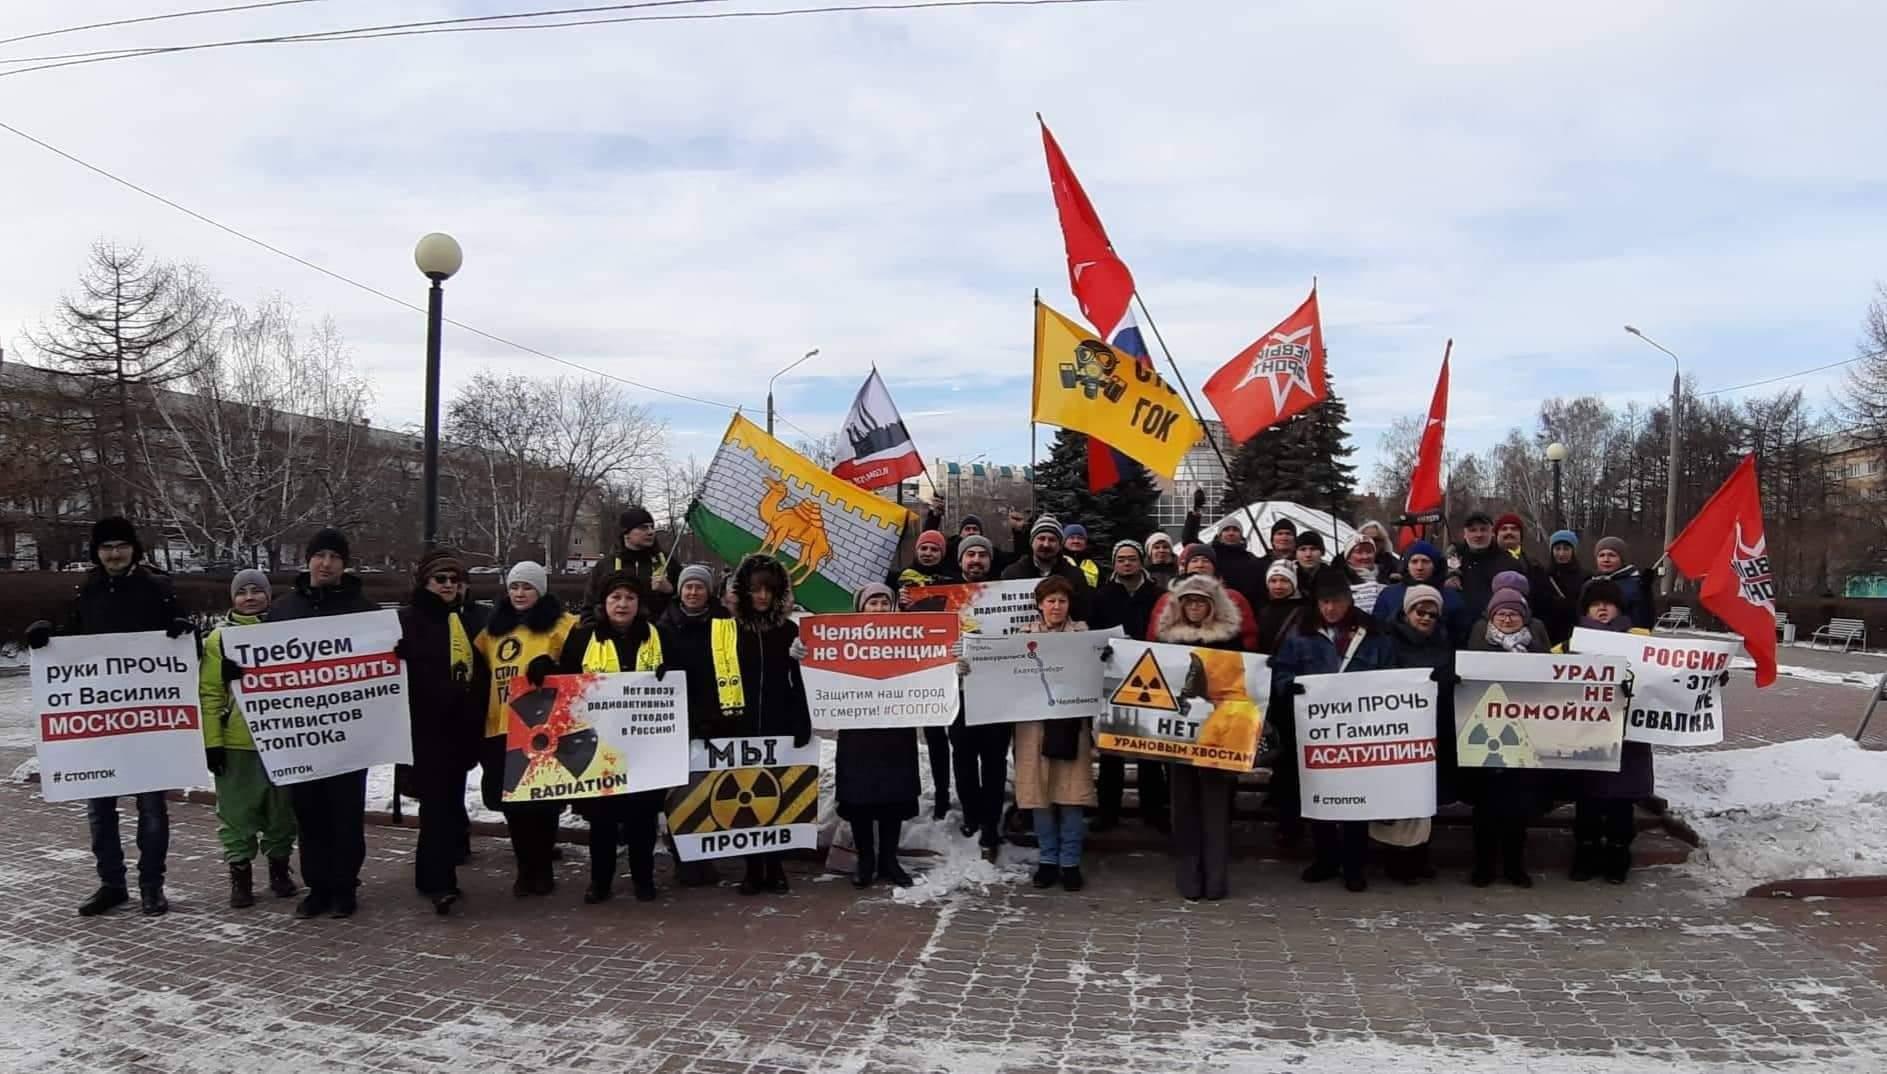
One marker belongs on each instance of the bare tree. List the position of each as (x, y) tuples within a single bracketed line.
[(269, 435), (133, 325), (824, 451), (529, 456)]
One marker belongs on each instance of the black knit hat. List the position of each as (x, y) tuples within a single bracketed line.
[(328, 540), (1310, 539), (1601, 590), (116, 528), (1329, 584), (635, 518), (1283, 525)]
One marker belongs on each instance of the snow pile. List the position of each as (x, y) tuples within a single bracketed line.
[(1862, 679), (958, 864), (1810, 808)]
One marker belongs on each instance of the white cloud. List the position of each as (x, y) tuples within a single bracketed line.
[(694, 205)]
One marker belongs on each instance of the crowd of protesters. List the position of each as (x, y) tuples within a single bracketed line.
[(1372, 606)]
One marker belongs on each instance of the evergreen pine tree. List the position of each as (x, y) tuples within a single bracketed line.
[(1304, 460), (1123, 510)]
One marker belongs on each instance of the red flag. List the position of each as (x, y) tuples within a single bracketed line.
[(1097, 276), (1725, 547), (1274, 379), (1425, 492)]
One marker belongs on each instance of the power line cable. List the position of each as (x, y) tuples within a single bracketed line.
[(1797, 373), (351, 282), (369, 33), (154, 18)]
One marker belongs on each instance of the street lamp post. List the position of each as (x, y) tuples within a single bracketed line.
[(777, 376), (1556, 454), (1670, 484), (438, 257)]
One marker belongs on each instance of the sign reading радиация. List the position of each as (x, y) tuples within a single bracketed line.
[(117, 715), (322, 696)]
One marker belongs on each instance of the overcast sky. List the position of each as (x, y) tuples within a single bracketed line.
[(694, 205)]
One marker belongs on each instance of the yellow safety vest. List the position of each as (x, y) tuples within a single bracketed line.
[(600, 657), (508, 655), (724, 636)]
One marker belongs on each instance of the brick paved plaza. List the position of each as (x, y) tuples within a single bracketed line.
[(1664, 975)]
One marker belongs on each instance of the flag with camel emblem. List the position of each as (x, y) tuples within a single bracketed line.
[(832, 537)]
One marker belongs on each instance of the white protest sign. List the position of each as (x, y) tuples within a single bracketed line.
[(746, 796), (594, 736), (880, 669), (118, 714), (993, 608), (1677, 684), (1186, 704), (1053, 675), (1533, 710), (322, 696), (1366, 742)]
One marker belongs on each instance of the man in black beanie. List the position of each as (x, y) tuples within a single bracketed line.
[(122, 594), (329, 811), (637, 553)]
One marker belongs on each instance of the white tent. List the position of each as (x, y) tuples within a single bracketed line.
[(1268, 512)]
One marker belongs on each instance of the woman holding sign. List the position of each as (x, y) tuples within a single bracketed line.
[(1505, 801), (1603, 821), (1332, 637), (761, 692), (877, 781), (529, 622), (1201, 615), (1055, 762), (620, 639)]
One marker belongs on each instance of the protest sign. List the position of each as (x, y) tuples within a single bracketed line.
[(1366, 741), (746, 796), (322, 696), (1194, 706), (880, 669), (593, 736), (1677, 684), (1055, 675), (118, 714), (991, 608), (1532, 710)]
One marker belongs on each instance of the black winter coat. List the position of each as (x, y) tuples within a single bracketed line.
[(1478, 568), (1274, 619), (876, 775), (570, 659), (646, 564), (138, 600), (1242, 571), (1025, 569), (1556, 596), (1640, 588), (306, 601), (1116, 606), (1512, 792), (686, 646), (1636, 777), (448, 715), (1436, 652)]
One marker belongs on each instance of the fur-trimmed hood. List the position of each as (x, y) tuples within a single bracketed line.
[(1222, 626), (541, 617), (753, 567)]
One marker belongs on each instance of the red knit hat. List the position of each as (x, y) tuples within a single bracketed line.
[(931, 537), (1510, 519)]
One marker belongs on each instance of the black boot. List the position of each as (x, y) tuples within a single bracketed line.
[(1486, 854), (1047, 876), (344, 905), (756, 879), (105, 898), (1586, 857), (866, 847), (151, 901), (442, 904), (1319, 871), (645, 889), (940, 810), (598, 891), (888, 866), (282, 882), (1071, 878), (313, 905), (242, 885), (776, 875), (1400, 865), (1617, 863), (1513, 856)]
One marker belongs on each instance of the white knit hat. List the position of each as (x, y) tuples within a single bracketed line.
[(531, 574)]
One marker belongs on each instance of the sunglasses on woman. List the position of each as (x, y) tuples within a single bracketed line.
[(448, 579)]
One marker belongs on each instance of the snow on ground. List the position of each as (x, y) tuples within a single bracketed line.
[(1828, 678), (1810, 808)]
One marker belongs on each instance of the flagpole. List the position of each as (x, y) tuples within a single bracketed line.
[(1035, 376), (1204, 427)]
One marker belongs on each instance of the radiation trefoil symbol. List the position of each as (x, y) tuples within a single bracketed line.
[(545, 740), (745, 798)]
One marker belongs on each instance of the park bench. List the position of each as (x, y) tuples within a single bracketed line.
[(1674, 618), (1849, 632)]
